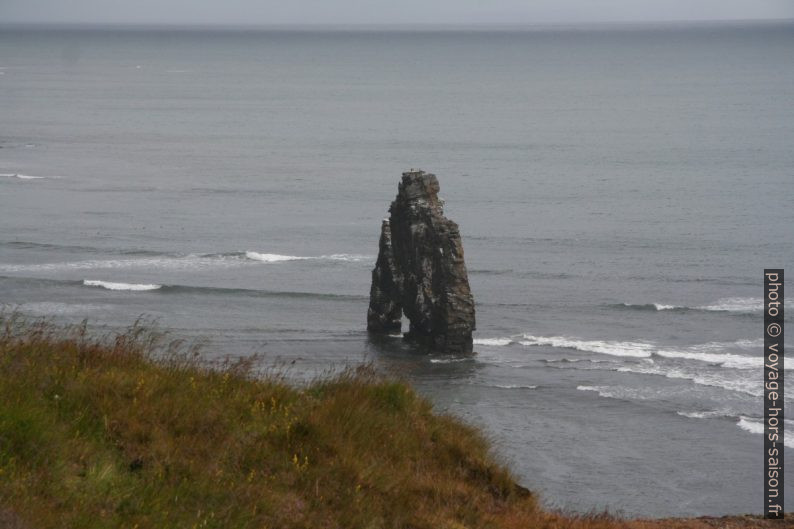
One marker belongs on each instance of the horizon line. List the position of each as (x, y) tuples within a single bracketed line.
[(364, 26)]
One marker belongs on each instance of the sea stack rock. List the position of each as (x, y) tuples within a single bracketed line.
[(420, 271)]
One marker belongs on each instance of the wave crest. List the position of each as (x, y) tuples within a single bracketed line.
[(272, 257), (109, 285), (494, 342), (737, 305), (26, 176), (730, 360), (756, 426), (650, 306), (710, 353), (614, 348), (277, 258), (703, 414)]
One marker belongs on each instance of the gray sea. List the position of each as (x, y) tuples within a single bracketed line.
[(619, 191)]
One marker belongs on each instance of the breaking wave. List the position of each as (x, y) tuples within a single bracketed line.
[(701, 353), (703, 414), (25, 176), (756, 426), (649, 306), (617, 392), (737, 305), (614, 348), (714, 364), (710, 353), (272, 257), (494, 342), (277, 258), (109, 285), (450, 360), (748, 424), (575, 361)]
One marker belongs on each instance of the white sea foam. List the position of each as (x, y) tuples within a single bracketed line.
[(560, 360), (120, 286), (603, 391), (750, 425), (711, 353), (614, 348), (276, 258), (348, 257), (756, 426), (619, 392), (735, 305), (576, 360), (702, 414), (749, 344), (450, 360), (651, 306), (272, 257), (25, 176), (29, 177), (730, 360), (495, 342)]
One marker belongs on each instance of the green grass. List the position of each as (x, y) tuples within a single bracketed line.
[(118, 432), (126, 431)]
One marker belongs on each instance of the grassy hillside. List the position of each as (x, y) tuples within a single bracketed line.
[(121, 431)]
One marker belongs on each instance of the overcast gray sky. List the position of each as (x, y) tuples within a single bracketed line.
[(384, 11)]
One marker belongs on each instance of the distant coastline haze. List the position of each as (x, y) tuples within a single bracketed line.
[(355, 12)]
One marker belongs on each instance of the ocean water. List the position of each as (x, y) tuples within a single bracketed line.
[(619, 191)]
